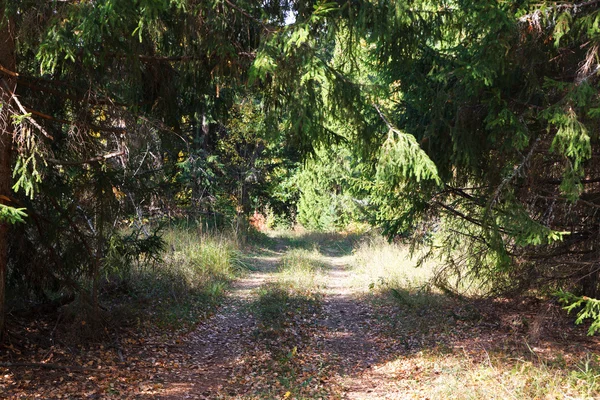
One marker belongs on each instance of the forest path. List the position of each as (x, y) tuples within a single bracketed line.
[(353, 339), (226, 359), (215, 349)]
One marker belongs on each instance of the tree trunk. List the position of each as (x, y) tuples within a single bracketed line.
[(7, 87)]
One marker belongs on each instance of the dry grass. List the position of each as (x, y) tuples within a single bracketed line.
[(476, 374), (456, 348), (380, 265)]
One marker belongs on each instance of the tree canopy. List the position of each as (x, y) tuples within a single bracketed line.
[(468, 126)]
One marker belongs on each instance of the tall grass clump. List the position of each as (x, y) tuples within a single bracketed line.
[(387, 272), (190, 280), (385, 266), (204, 255), (381, 264)]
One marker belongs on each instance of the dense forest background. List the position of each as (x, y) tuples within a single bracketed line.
[(468, 128)]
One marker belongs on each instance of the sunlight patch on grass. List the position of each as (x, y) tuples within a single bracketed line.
[(380, 265), (327, 243), (301, 271), (464, 375)]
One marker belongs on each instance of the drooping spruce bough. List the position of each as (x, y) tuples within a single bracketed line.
[(492, 113)]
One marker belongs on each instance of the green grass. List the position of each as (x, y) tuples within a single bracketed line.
[(194, 274)]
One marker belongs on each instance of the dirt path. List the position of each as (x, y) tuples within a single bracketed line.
[(214, 350), (352, 338), (348, 340), (384, 345)]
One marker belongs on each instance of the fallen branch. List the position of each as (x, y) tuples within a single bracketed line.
[(25, 113), (90, 161), (8, 72)]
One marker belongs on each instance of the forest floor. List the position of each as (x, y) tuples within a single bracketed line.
[(307, 323)]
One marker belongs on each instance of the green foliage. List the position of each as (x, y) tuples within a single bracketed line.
[(468, 126), (586, 307), (133, 107), (27, 173), (402, 159), (12, 215), (326, 202), (491, 140), (126, 251)]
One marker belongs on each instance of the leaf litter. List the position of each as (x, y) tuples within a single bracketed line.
[(349, 345)]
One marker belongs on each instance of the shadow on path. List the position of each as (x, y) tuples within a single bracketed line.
[(347, 338)]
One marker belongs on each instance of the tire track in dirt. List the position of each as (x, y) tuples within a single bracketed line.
[(215, 349), (352, 339)]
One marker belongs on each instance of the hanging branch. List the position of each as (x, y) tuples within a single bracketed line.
[(24, 111), (383, 118), (111, 129), (249, 16)]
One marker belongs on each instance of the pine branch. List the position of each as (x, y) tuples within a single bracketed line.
[(26, 81), (8, 72), (467, 217), (249, 16), (110, 129), (515, 173), (24, 111), (383, 118)]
